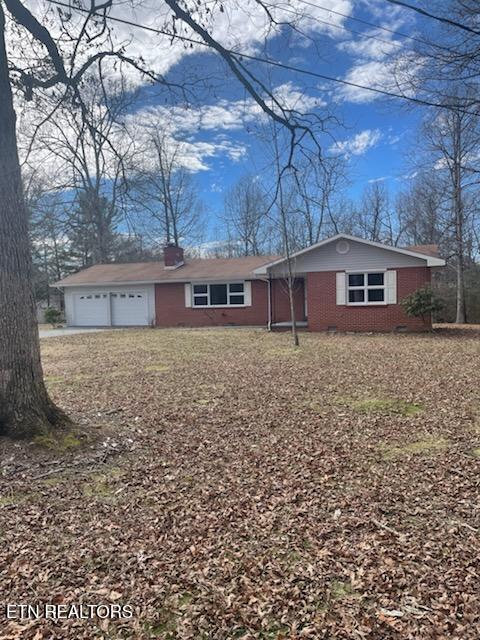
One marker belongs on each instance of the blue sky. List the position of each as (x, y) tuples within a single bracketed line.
[(219, 127), (374, 133)]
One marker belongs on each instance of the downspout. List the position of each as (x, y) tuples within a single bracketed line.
[(269, 301), (269, 325)]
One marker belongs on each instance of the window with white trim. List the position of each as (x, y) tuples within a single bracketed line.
[(366, 288), (218, 295)]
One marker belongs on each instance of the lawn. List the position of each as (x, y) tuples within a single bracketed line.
[(228, 486)]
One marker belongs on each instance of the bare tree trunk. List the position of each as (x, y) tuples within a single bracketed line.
[(47, 275), (25, 408), (291, 301), (291, 277), (461, 316), (458, 213), (286, 240)]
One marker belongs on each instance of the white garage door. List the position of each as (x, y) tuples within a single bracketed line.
[(91, 310), (129, 308)]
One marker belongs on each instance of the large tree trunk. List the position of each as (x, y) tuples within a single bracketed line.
[(25, 408)]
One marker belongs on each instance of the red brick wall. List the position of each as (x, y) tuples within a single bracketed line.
[(281, 303), (323, 312), (171, 311), (170, 307)]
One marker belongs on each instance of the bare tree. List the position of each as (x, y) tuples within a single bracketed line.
[(318, 187), (450, 57), (452, 139), (371, 219), (421, 210), (51, 251), (245, 216), (282, 209), (90, 149), (163, 192)]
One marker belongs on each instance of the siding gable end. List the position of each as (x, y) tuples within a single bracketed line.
[(359, 256)]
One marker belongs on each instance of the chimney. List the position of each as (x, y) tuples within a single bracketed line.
[(172, 256)]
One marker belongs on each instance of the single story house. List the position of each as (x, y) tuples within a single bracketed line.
[(342, 283)]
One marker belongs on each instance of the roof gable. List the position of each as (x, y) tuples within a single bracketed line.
[(348, 252)]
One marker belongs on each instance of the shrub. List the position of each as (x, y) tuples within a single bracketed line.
[(422, 302), (53, 316)]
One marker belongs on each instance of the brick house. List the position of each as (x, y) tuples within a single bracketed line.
[(342, 283)]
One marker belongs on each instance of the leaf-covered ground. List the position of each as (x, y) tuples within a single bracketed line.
[(228, 486)]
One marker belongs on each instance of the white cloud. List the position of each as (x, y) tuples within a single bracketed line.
[(392, 16), (370, 49), (243, 26), (381, 61), (396, 76), (181, 127), (184, 129), (358, 144), (375, 74), (194, 155), (380, 179), (291, 97), (225, 117), (408, 176)]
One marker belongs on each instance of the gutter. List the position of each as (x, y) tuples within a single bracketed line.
[(126, 283)]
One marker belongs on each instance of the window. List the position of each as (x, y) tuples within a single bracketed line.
[(218, 295), (366, 288)]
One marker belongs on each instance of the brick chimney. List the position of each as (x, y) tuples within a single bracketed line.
[(172, 256)]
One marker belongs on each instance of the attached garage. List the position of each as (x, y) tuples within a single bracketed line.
[(91, 309), (129, 308), (110, 306)]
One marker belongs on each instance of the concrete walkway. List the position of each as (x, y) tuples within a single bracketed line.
[(70, 331)]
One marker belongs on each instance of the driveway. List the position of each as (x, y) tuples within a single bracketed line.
[(54, 333)]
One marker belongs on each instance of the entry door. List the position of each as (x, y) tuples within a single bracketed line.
[(129, 308), (91, 310)]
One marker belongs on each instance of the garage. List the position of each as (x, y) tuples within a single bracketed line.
[(129, 308), (132, 306), (91, 309)]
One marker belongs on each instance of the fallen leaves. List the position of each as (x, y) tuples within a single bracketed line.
[(226, 489)]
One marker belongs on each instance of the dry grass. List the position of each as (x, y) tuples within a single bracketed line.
[(229, 486)]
